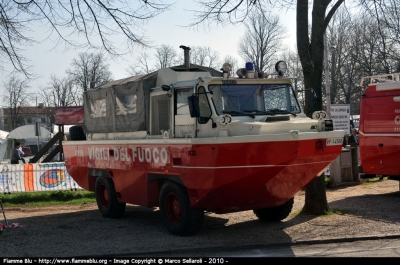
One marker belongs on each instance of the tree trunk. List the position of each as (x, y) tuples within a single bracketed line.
[(311, 56), (316, 202)]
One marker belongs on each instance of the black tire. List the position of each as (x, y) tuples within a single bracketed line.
[(176, 213), (275, 214), (76, 133), (106, 199)]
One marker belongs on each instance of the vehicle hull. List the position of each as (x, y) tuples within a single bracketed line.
[(221, 174)]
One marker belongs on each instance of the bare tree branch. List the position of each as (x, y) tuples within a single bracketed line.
[(228, 11), (166, 56), (142, 66), (332, 12), (16, 96), (89, 70), (262, 39), (66, 19)]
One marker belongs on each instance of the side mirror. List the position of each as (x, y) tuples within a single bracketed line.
[(194, 107), (166, 88)]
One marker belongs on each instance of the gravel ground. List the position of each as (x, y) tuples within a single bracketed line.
[(80, 230)]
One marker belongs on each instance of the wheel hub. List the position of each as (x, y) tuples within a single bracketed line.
[(173, 208), (103, 196)]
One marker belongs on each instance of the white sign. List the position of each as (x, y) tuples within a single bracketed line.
[(340, 115), (334, 141)]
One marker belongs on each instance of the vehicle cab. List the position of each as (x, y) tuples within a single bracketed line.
[(223, 106)]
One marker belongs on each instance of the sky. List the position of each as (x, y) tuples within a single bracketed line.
[(169, 28)]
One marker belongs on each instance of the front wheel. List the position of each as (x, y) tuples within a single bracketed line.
[(275, 214), (106, 199), (176, 213)]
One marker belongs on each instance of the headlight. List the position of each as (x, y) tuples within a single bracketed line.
[(319, 115), (225, 119)]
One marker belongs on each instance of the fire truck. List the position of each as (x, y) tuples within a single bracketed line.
[(379, 133), (191, 139)]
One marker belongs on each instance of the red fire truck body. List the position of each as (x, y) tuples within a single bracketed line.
[(380, 127)]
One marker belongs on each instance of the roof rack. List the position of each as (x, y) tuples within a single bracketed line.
[(395, 77)]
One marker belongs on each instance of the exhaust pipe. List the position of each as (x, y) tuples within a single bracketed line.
[(186, 56)]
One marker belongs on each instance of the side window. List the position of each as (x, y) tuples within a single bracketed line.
[(184, 124), (160, 114), (294, 105), (205, 110), (181, 105)]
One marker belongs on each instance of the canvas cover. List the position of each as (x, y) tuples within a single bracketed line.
[(124, 105), (119, 107)]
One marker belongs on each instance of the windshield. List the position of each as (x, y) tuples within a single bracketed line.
[(256, 99)]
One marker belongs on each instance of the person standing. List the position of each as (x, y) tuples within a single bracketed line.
[(14, 154), (354, 142), (21, 153), (345, 141), (352, 139)]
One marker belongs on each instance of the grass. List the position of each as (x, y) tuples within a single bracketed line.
[(331, 212), (296, 213), (336, 211), (374, 180), (327, 182), (36, 199)]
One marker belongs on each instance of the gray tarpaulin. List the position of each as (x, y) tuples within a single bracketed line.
[(124, 105), (119, 107)]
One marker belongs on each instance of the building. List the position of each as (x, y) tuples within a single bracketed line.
[(27, 116)]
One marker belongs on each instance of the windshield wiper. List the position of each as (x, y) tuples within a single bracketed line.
[(279, 111), (260, 112), (238, 112)]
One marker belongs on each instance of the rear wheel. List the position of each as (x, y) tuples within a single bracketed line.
[(106, 198), (275, 214), (176, 213)]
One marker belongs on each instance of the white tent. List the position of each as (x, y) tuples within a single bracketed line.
[(3, 143), (26, 135), (28, 132)]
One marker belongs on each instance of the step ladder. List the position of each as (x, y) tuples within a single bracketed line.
[(2, 211)]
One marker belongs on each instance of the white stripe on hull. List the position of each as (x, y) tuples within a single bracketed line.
[(254, 166), (217, 140), (380, 134)]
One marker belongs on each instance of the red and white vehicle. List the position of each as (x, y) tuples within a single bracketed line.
[(189, 139), (380, 127)]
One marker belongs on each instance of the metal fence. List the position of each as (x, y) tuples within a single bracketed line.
[(35, 177)]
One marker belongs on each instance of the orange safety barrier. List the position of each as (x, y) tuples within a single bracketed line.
[(28, 177)]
